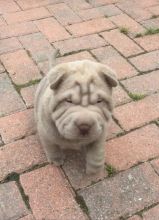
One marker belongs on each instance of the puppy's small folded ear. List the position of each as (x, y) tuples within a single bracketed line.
[(56, 77), (109, 75)]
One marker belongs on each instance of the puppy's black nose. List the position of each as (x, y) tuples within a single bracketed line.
[(84, 129)]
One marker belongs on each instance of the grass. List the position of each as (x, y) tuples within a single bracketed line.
[(154, 16), (111, 170), (82, 204), (124, 30), (30, 83), (149, 31), (136, 97)]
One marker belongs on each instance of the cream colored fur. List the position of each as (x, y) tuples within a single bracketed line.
[(73, 106)]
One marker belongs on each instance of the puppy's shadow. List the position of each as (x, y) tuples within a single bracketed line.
[(74, 168)]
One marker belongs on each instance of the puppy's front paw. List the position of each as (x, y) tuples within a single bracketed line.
[(57, 160), (93, 170)]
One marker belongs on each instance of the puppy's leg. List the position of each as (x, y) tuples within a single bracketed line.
[(95, 157), (53, 153)]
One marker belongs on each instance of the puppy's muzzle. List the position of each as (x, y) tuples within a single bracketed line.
[(84, 127)]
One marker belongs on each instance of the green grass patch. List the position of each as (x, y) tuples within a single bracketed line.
[(82, 204), (154, 16), (124, 30), (136, 97), (149, 31), (30, 83), (111, 170)]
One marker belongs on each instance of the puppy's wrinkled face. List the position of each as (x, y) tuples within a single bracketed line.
[(83, 99)]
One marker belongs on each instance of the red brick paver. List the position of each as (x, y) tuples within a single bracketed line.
[(90, 27), (10, 100), (137, 146), (143, 84), (9, 45), (52, 29), (48, 184), (149, 43), (28, 15), (126, 193), (106, 31), (9, 192), (16, 126), (122, 43), (111, 57), (147, 61), (28, 217), (15, 30), (151, 214), (20, 156), (23, 70), (133, 114), (64, 14), (80, 43), (135, 217)]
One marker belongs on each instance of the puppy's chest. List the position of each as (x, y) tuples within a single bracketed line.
[(72, 146)]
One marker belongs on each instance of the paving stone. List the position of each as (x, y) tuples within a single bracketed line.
[(146, 3), (134, 10), (135, 217), (124, 21), (113, 130), (149, 42), (90, 27), (20, 67), (34, 3), (151, 214), (50, 195), (77, 4), (143, 84), (17, 125), (90, 13), (28, 217), (155, 164), (151, 23), (122, 195), (1, 68), (109, 56), (154, 10), (52, 29), (28, 15), (120, 96), (137, 146), (122, 43), (102, 2), (74, 167), (64, 14), (14, 30), (12, 205), (9, 6), (2, 21), (77, 56), (136, 114), (28, 95), (20, 156), (80, 43), (107, 10), (10, 100), (146, 62), (9, 45), (37, 45)]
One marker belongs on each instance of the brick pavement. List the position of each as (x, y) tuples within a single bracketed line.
[(120, 33)]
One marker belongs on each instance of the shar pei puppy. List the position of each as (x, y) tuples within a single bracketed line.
[(73, 106)]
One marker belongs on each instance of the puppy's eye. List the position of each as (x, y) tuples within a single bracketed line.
[(99, 100), (68, 100)]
